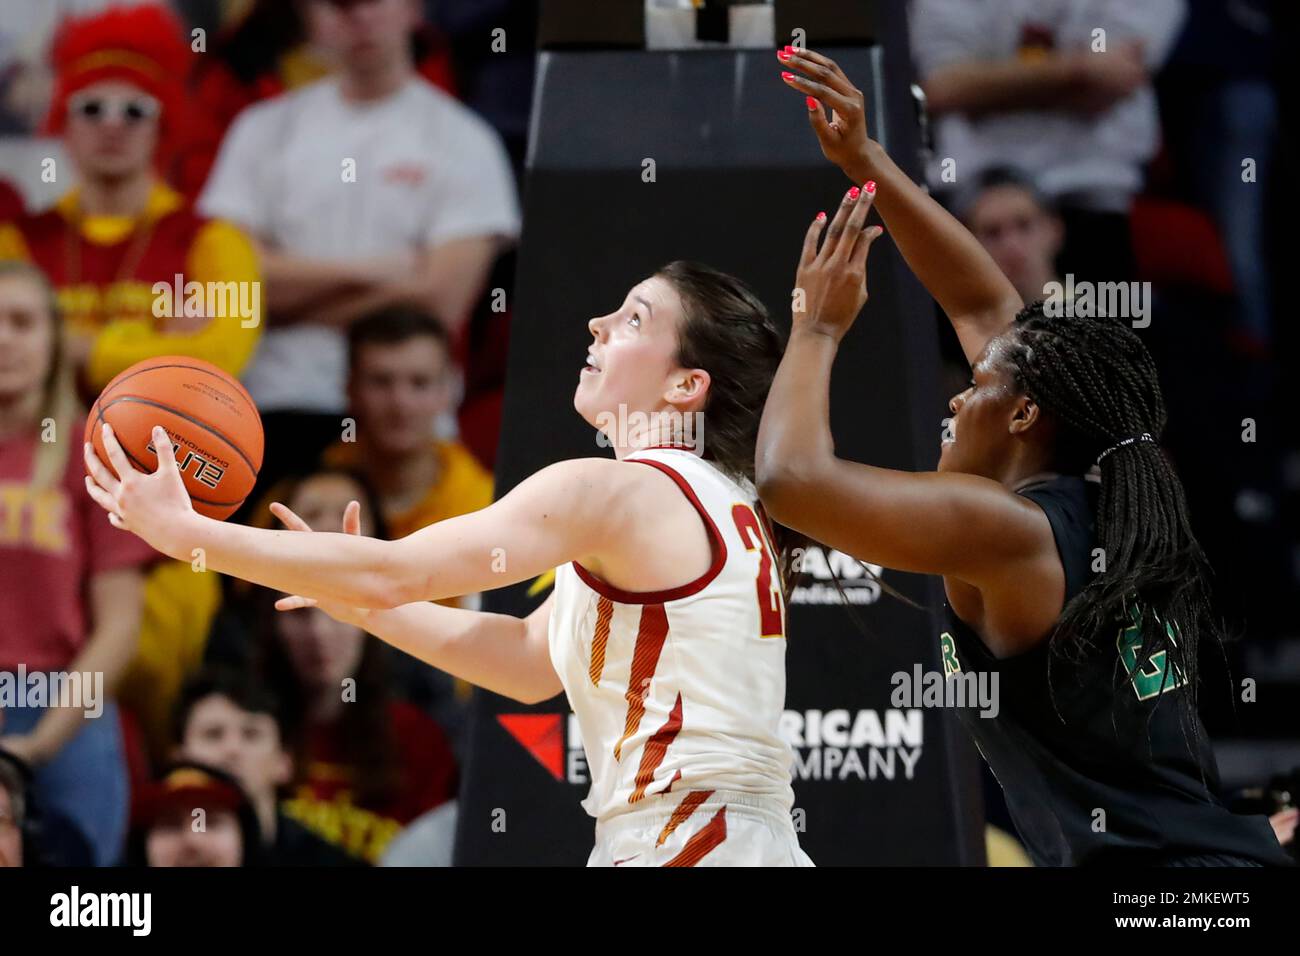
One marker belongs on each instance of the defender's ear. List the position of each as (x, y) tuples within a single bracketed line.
[(1025, 415)]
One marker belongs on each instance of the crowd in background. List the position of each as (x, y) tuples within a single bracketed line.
[(358, 160), (321, 152)]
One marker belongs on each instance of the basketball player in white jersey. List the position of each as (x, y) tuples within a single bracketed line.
[(666, 627)]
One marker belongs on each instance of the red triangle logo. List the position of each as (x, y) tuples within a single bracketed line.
[(541, 736)]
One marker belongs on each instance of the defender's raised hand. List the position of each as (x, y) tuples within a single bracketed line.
[(844, 138), (831, 283), (950, 262)]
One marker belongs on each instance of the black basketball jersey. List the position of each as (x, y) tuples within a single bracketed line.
[(1098, 769)]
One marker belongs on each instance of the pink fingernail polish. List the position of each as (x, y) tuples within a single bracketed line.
[(787, 76), (812, 103), (782, 55), (853, 192), (870, 187), (821, 217), (788, 49)]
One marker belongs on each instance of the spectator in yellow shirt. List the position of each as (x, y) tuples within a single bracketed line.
[(400, 385)]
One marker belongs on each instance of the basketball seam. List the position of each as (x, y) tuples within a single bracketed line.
[(193, 421), (224, 377)]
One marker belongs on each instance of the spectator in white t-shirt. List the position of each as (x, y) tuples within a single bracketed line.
[(1058, 88), (367, 189)]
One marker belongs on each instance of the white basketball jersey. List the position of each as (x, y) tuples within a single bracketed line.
[(682, 689)]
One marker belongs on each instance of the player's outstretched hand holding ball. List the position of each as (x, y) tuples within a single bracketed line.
[(208, 432), (148, 505)]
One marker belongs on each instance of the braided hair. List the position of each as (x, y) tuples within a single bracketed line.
[(1098, 382)]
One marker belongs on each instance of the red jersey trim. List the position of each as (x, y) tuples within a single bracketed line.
[(690, 448), (718, 546)]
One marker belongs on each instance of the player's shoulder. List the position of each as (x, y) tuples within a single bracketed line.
[(594, 474), (603, 486)]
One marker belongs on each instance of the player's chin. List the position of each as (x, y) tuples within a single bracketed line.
[(947, 456), (584, 403)]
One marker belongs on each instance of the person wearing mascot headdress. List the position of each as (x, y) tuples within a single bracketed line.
[(120, 108)]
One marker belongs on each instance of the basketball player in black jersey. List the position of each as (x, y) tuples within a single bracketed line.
[(1097, 743)]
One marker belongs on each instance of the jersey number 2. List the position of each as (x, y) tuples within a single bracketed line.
[(770, 607)]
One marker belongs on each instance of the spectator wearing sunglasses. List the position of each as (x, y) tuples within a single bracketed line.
[(120, 107)]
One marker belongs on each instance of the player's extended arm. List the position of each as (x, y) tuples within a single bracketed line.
[(950, 524), (499, 652), (928, 522), (573, 510), (954, 268)]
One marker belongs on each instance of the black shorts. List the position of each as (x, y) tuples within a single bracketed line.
[(1210, 859)]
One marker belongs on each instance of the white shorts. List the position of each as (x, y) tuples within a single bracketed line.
[(700, 828)]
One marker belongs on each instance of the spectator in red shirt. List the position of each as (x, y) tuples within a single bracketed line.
[(70, 583), (372, 763)]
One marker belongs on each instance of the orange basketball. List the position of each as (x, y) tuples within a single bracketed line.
[(215, 430)]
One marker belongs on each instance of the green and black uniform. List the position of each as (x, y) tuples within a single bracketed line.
[(1103, 771)]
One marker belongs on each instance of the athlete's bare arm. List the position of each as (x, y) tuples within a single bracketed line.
[(502, 653), (625, 522), (954, 268), (499, 652), (965, 527)]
